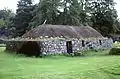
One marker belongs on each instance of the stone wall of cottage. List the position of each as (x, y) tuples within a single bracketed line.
[(58, 46), (50, 47)]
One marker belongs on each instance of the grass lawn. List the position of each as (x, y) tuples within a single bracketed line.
[(94, 65)]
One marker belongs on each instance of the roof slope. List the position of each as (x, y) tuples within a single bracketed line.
[(62, 30)]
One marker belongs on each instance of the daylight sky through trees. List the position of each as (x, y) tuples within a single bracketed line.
[(12, 4)]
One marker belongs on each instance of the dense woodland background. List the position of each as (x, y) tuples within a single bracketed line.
[(99, 14)]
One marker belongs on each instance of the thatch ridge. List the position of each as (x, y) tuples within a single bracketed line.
[(62, 31)]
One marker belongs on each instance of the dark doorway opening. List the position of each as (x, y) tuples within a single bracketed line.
[(69, 47), (83, 43), (30, 48), (100, 42)]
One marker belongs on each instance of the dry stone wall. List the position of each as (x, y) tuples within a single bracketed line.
[(53, 47), (107, 43), (60, 47)]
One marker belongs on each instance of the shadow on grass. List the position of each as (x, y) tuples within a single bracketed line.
[(90, 53)]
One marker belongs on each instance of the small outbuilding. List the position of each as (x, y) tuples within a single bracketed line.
[(58, 39)]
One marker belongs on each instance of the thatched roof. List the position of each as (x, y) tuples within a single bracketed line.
[(62, 31)]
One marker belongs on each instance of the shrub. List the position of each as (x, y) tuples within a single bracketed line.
[(117, 44), (76, 54), (115, 51)]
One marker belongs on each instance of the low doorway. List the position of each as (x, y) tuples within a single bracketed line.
[(69, 47), (30, 48)]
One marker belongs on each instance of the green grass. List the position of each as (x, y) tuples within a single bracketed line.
[(94, 65)]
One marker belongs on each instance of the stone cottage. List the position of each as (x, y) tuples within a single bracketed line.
[(58, 39)]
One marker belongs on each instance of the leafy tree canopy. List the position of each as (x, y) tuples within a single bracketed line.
[(103, 15), (23, 16)]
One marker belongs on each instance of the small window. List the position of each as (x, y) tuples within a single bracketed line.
[(83, 43), (100, 42)]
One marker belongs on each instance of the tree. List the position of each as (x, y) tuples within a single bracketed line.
[(75, 14), (46, 10), (23, 17), (2, 23), (64, 12), (5, 17), (103, 15), (5, 21)]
